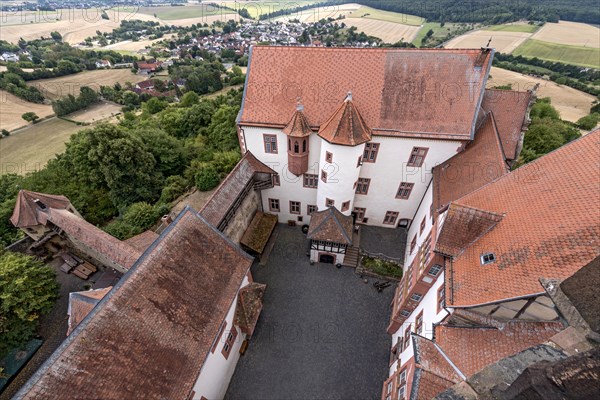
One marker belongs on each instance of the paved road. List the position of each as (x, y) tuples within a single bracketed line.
[(321, 334)]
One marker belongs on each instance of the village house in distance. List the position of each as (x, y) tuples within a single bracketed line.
[(337, 139)]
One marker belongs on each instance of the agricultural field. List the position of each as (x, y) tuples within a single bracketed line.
[(130, 46), (439, 32), (389, 32), (577, 55), (502, 41), (55, 88), (12, 107), (258, 8), (31, 148), (95, 113), (388, 16), (514, 27), (572, 104), (318, 13), (569, 33), (172, 14), (74, 24)]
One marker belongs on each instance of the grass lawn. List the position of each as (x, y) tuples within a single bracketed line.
[(577, 55), (514, 28), (388, 16), (182, 12), (438, 31), (30, 149)]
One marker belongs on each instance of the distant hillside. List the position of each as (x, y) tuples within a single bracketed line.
[(492, 11)]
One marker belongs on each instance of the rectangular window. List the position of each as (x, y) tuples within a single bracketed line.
[(413, 243), (329, 202), (311, 181), (324, 176), (274, 205), (423, 223), (405, 313), (402, 392), (360, 213), (416, 297), (229, 342), (417, 156), (370, 153), (404, 190), (362, 186), (359, 162), (294, 207), (328, 157), (488, 258), (311, 209), (419, 323), (345, 206), (407, 337), (276, 181), (441, 295), (270, 143), (300, 218), (390, 217), (435, 270), (402, 377)]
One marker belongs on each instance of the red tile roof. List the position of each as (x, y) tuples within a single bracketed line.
[(81, 303), (249, 305), (346, 126), (330, 225), (472, 349), (232, 186), (435, 92), (142, 241), (481, 162), (550, 229), (510, 110), (149, 337), (26, 210), (298, 125), (94, 238)]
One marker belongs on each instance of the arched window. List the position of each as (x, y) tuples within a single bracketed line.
[(296, 147), (304, 146), (289, 145)]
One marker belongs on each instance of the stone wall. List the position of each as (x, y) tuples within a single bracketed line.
[(243, 216)]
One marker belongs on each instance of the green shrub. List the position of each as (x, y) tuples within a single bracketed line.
[(207, 178), (382, 267), (588, 122), (175, 186)]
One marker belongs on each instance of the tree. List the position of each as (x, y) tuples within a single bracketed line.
[(189, 99), (28, 290), (30, 117), (588, 122), (207, 177), (56, 36), (154, 105)]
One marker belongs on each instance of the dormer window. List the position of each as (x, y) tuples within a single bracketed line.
[(488, 258)]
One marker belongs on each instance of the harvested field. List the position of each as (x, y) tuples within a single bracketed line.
[(571, 103), (95, 113), (55, 88), (569, 33), (12, 107), (257, 8), (502, 41), (131, 46), (29, 149), (74, 24), (389, 32), (577, 55), (168, 13), (317, 13)]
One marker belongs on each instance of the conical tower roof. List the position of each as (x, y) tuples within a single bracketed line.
[(29, 203), (298, 125), (346, 126)]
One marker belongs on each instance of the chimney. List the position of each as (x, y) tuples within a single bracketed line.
[(166, 219)]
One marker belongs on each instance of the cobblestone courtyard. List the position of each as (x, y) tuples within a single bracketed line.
[(321, 334)]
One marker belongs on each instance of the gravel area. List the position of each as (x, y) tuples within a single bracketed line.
[(321, 334)]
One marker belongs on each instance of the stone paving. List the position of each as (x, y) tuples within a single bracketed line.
[(321, 334)]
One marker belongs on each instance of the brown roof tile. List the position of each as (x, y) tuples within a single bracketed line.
[(94, 238), (149, 337), (510, 110), (436, 92), (550, 229), (471, 349), (248, 307), (298, 126), (142, 241), (462, 227), (81, 303), (346, 126), (481, 162), (26, 210), (232, 186), (330, 225)]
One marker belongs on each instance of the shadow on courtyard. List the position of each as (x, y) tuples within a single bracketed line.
[(321, 334)]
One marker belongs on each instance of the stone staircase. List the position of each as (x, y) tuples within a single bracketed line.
[(351, 257)]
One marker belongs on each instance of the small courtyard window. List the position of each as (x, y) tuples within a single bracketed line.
[(435, 270), (363, 185), (270, 143), (416, 297), (294, 207), (274, 205), (345, 206), (311, 181), (370, 153), (328, 157), (488, 258), (311, 209), (329, 202), (417, 156), (324, 176), (404, 190), (405, 313), (419, 323)]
